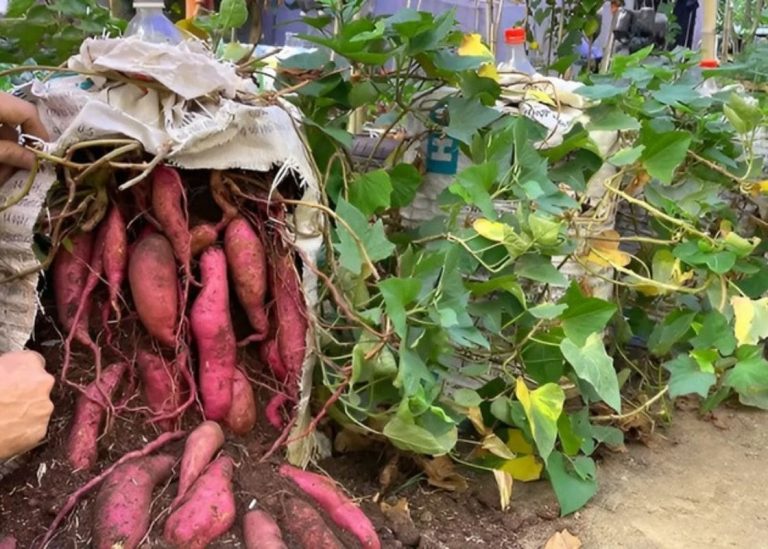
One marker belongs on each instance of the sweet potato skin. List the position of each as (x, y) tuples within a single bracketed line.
[(340, 509), (161, 382), (8, 542), (202, 236), (214, 335), (241, 418), (169, 208), (123, 504), (207, 511), (82, 443), (115, 257), (200, 447), (308, 527), (290, 312), (269, 354), (154, 285), (70, 273), (260, 531), (248, 266)]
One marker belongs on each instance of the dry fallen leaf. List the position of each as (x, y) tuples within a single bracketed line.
[(504, 481), (604, 250), (563, 540), (441, 472), (389, 473), (350, 441), (400, 508)]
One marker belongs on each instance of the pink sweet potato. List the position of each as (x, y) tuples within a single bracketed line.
[(82, 444), (332, 500), (242, 414), (168, 204), (162, 385), (115, 259), (154, 285), (7, 542), (260, 531), (272, 410), (290, 312), (202, 444), (123, 504), (248, 267), (202, 236), (207, 511), (214, 335), (269, 353), (308, 527), (70, 274)]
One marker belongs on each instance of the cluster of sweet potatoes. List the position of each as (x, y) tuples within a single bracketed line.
[(179, 281)]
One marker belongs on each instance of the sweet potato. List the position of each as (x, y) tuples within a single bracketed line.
[(207, 511), (223, 198), (272, 410), (269, 353), (202, 236), (115, 259), (248, 267), (242, 414), (202, 444), (82, 444), (70, 274), (168, 204), (332, 500), (154, 285), (308, 527), (260, 531), (215, 338), (162, 385), (122, 508), (7, 542), (290, 312)]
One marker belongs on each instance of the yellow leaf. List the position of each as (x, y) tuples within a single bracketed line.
[(524, 468), (517, 443), (504, 481), (188, 26), (489, 71), (496, 446), (472, 46), (667, 269), (750, 319), (563, 540), (763, 186), (476, 417), (492, 230), (604, 250), (540, 97)]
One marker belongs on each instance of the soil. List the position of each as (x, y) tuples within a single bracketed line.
[(696, 484)]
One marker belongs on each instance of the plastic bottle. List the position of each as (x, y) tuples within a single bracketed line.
[(708, 87), (517, 60), (151, 25)]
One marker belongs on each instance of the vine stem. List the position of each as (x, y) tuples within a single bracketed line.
[(644, 406)]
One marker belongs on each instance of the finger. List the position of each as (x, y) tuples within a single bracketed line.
[(5, 173), (15, 155), (9, 133), (17, 112)]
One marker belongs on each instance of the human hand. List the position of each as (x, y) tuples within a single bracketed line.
[(15, 113)]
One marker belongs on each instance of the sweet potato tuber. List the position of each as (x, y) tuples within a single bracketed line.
[(308, 527), (260, 531), (207, 511), (154, 285), (248, 267), (70, 274), (162, 385), (242, 414), (82, 444), (215, 338), (115, 259), (269, 353), (290, 312), (202, 236), (202, 444), (168, 204), (339, 507), (122, 515), (7, 542), (272, 410)]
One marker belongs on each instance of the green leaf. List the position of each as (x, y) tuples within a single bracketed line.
[(627, 156), (571, 441), (507, 283), (749, 377), (593, 365), (232, 14), (584, 315), (486, 90), (411, 372), (669, 332), (601, 91), (410, 437), (406, 180), (363, 93), (452, 62), (371, 192), (539, 268), (574, 481), (398, 293), (715, 332), (466, 117), (372, 238), (18, 8), (473, 185), (545, 230), (343, 137), (676, 94), (664, 152), (547, 311), (543, 407), (467, 398), (685, 377), (610, 118)]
